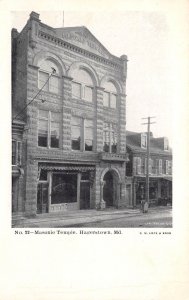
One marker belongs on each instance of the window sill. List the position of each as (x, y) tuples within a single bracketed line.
[(50, 93), (83, 101), (48, 148), (82, 151), (110, 108)]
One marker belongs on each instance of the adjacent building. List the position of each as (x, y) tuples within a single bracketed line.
[(69, 106), (160, 169)]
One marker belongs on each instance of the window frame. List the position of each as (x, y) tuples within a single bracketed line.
[(82, 91), (166, 144), (167, 167), (138, 166), (109, 99), (160, 167), (80, 126), (82, 134), (49, 84), (111, 133), (49, 125)]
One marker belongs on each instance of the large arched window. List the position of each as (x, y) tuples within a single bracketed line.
[(110, 95), (49, 77), (82, 85)]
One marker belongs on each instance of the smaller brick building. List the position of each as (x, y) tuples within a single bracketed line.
[(160, 169), (17, 165)]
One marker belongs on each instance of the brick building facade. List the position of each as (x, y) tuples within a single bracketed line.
[(160, 169), (74, 135)]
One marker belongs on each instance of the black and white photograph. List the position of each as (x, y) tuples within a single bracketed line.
[(94, 150), (91, 120)]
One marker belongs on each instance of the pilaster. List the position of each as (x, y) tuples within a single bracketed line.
[(31, 188), (122, 123), (66, 124), (99, 119)]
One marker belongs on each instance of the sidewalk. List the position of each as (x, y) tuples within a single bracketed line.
[(75, 218)]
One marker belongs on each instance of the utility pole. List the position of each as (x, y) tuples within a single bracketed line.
[(148, 155)]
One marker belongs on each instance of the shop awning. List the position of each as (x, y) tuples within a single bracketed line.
[(68, 168)]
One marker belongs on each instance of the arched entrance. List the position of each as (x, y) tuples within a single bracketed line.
[(111, 191), (108, 189)]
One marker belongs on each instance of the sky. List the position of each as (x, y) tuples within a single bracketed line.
[(145, 38)]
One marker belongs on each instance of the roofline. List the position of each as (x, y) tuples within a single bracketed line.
[(159, 152), (76, 27)]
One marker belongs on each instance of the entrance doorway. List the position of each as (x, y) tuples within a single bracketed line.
[(84, 195), (111, 188), (108, 192)]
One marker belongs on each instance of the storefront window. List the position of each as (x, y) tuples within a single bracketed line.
[(43, 175), (64, 188)]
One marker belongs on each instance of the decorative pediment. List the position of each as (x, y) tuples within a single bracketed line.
[(83, 38)]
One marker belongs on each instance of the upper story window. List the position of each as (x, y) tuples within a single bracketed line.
[(110, 95), (110, 138), (168, 167), (160, 166), (143, 165), (48, 129), (49, 77), (143, 140), (88, 134), (16, 152), (82, 134), (82, 85), (76, 133), (166, 144), (139, 161)]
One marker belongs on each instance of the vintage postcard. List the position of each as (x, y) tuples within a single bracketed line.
[(94, 198)]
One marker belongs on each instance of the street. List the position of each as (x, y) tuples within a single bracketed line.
[(160, 219)]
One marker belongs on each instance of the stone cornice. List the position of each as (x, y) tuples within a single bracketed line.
[(52, 39)]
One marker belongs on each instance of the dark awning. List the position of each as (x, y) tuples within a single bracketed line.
[(68, 168)]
